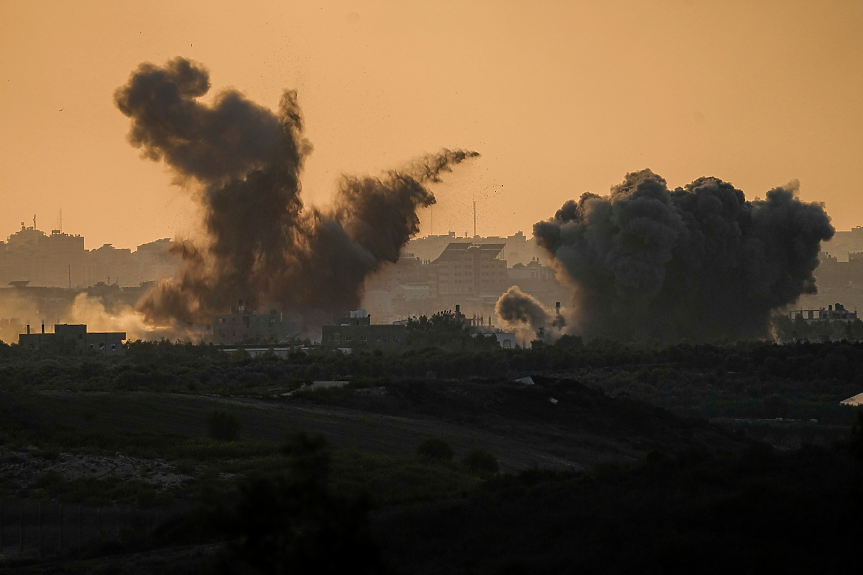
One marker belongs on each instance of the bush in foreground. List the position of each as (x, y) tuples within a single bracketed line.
[(481, 461)]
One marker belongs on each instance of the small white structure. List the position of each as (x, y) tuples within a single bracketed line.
[(506, 340), (855, 401)]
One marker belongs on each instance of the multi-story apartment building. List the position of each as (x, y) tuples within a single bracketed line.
[(407, 271), (471, 270), (49, 260)]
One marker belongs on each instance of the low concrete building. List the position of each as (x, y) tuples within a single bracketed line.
[(241, 326), (74, 337), (357, 331)]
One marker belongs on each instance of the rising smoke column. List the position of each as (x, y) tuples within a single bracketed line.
[(699, 262), (245, 162)]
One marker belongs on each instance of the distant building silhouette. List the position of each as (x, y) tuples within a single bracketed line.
[(357, 330), (471, 269), (60, 260), (243, 326)]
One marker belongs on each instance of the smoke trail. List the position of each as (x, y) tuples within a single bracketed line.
[(246, 163), (698, 262)]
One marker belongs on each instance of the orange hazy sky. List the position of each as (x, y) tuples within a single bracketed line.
[(559, 97)]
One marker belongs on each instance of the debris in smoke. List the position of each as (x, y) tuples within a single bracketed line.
[(245, 162), (698, 262)]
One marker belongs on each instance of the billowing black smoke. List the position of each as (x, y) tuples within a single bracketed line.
[(698, 262), (245, 163)]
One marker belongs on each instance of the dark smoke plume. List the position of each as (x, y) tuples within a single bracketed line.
[(245, 161), (698, 262)]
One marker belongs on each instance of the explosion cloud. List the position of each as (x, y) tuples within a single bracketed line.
[(698, 262), (245, 163)]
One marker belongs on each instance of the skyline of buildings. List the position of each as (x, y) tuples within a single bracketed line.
[(41, 274), (31, 257)]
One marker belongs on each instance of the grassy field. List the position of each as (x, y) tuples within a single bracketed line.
[(135, 433)]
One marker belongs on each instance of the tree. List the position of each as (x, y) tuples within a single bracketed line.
[(445, 330), (481, 461)]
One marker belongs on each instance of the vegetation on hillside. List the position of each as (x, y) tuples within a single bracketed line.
[(265, 503)]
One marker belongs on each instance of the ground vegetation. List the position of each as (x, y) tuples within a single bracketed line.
[(597, 456)]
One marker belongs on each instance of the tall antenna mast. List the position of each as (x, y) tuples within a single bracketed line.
[(61, 219), (432, 220), (474, 218)]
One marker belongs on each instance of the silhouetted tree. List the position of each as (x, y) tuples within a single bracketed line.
[(447, 331)]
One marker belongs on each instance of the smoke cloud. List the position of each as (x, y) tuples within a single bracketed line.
[(698, 262), (245, 163), (91, 311), (527, 315)]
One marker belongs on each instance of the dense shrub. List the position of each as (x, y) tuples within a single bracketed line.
[(481, 461)]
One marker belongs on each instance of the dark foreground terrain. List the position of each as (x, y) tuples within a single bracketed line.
[(182, 459)]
